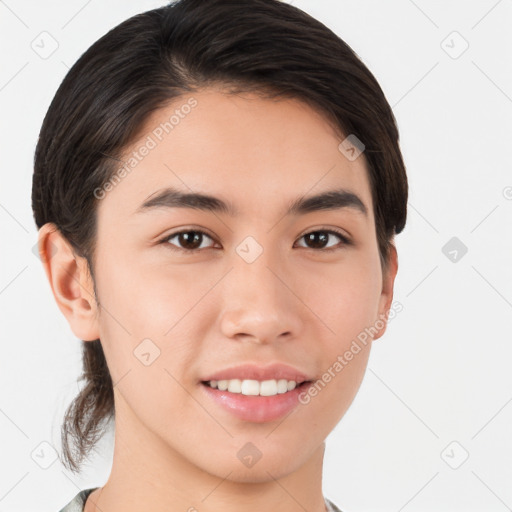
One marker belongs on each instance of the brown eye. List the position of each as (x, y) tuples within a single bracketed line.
[(192, 240), (320, 238), (189, 240)]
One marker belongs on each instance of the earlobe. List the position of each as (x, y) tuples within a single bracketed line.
[(70, 281), (386, 298)]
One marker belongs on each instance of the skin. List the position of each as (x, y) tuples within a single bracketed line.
[(175, 449)]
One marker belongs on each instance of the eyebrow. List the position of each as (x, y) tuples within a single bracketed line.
[(330, 200)]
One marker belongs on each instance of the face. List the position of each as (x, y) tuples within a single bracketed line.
[(258, 285)]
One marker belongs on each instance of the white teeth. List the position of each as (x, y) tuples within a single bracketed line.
[(234, 386), (254, 387)]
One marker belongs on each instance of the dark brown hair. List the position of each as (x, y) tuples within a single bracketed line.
[(263, 46)]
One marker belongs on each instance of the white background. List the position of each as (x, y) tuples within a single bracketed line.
[(442, 371)]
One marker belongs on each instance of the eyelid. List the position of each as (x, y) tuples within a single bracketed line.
[(337, 231)]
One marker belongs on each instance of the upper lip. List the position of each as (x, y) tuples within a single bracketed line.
[(257, 372)]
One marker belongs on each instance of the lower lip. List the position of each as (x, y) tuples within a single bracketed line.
[(257, 409)]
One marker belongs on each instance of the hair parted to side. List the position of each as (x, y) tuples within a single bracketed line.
[(264, 46)]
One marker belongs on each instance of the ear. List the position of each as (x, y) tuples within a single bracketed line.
[(386, 297), (70, 281)]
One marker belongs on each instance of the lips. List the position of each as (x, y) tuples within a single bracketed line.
[(253, 371), (255, 409)]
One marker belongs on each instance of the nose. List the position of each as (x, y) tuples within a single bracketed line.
[(259, 302)]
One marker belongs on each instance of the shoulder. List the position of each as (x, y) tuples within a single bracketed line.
[(78, 502), (331, 506)]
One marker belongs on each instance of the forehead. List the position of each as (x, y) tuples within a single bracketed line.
[(255, 153)]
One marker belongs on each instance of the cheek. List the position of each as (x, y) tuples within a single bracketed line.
[(346, 306), (147, 371), (143, 299), (345, 299), (133, 320)]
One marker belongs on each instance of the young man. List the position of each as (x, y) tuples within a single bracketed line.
[(217, 186)]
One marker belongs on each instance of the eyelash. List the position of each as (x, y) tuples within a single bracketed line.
[(345, 241)]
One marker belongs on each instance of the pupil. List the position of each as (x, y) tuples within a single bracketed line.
[(316, 236), (187, 239)]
